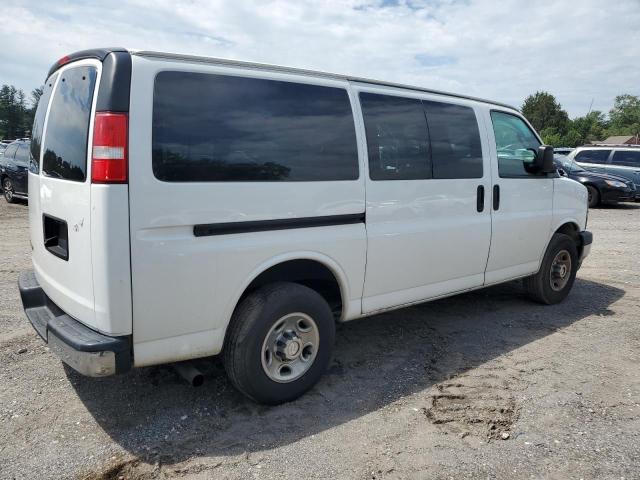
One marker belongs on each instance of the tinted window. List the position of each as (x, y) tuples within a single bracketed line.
[(514, 141), (455, 141), (592, 156), (627, 158), (38, 122), (10, 151), (397, 137), (222, 128), (65, 145), (22, 155)]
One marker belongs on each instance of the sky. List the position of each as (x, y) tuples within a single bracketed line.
[(581, 51)]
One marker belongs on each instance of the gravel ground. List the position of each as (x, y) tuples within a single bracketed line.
[(485, 384)]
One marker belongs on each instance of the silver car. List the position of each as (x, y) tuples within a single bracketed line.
[(620, 160)]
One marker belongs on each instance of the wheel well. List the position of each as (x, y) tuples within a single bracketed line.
[(310, 273), (572, 230)]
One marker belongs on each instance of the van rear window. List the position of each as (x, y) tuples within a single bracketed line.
[(38, 122), (209, 128), (65, 141)]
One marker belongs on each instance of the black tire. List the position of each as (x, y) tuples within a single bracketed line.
[(8, 190), (250, 324), (539, 286), (594, 196)]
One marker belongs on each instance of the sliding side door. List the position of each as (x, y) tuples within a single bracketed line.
[(428, 226)]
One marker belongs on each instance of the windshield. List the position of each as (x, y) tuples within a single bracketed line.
[(568, 165)]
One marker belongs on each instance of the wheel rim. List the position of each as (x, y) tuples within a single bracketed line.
[(8, 189), (560, 270), (290, 347), (590, 195)]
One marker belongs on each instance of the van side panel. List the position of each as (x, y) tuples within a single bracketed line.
[(185, 287)]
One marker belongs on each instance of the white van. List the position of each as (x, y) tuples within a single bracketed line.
[(182, 207)]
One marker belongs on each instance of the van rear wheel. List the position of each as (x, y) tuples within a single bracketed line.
[(279, 342), (556, 276)]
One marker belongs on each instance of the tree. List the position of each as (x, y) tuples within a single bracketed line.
[(13, 113), (36, 93), (544, 112), (624, 117)]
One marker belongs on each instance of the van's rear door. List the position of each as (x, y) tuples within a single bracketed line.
[(60, 192)]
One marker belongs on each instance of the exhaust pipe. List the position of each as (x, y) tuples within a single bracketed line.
[(190, 373)]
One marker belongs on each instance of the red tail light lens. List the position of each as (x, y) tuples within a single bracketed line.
[(109, 156)]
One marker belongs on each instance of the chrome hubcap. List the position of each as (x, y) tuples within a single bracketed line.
[(8, 189), (560, 270), (290, 347)]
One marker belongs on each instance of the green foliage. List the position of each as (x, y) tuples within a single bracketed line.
[(556, 128), (16, 118), (544, 112), (624, 117)]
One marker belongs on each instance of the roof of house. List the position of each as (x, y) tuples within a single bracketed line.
[(618, 139)]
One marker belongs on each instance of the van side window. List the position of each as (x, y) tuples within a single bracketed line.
[(211, 128), (65, 146), (592, 156), (514, 141), (11, 151), (456, 151), (38, 121), (22, 155), (397, 137), (627, 158)]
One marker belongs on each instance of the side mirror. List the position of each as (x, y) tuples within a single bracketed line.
[(544, 159)]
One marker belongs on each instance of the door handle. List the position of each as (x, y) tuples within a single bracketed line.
[(480, 198), (496, 197)]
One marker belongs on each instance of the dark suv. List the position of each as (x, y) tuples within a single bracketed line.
[(14, 166)]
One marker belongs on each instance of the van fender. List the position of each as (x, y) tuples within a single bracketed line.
[(327, 261), (554, 228)]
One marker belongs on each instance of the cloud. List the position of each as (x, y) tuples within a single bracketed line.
[(504, 50)]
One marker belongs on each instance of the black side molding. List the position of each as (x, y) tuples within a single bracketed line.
[(205, 230)]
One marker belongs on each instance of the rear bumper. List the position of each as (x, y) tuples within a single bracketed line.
[(85, 350)]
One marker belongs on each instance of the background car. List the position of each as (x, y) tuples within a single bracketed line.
[(620, 160), (562, 150), (14, 166), (602, 187), (2, 149)]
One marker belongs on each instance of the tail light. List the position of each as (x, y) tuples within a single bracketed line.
[(109, 155)]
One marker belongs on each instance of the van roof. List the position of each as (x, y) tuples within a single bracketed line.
[(101, 54), (301, 71)]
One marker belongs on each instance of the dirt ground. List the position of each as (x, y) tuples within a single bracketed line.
[(485, 384)]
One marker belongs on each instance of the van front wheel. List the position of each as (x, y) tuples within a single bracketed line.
[(557, 273), (279, 342)]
